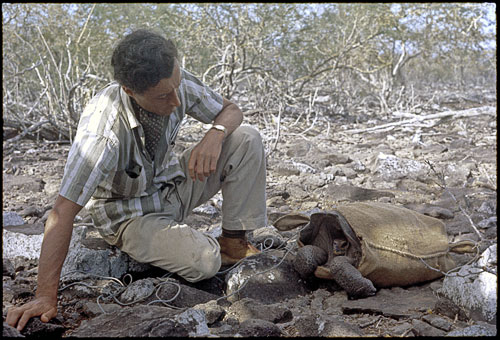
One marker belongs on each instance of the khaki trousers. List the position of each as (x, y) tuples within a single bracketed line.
[(159, 240)]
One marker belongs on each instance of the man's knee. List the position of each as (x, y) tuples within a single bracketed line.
[(248, 134), (248, 140), (208, 265)]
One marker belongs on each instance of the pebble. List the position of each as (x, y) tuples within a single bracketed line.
[(213, 312), (92, 309), (488, 223), (475, 330), (138, 291), (259, 328), (421, 328), (438, 322), (11, 218)]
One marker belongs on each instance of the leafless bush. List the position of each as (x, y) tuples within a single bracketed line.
[(294, 59)]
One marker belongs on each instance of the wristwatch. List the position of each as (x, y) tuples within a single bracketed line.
[(220, 128)]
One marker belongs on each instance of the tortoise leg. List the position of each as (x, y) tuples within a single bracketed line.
[(308, 258), (349, 278)]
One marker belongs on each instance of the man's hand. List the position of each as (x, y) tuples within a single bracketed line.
[(204, 156), (56, 239), (45, 307)]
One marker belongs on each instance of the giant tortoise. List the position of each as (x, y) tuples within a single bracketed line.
[(362, 246)]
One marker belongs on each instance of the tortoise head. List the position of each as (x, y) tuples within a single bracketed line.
[(340, 246)]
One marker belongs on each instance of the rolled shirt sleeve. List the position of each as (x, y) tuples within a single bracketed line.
[(202, 103)]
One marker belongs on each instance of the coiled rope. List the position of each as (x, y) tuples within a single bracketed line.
[(118, 287)]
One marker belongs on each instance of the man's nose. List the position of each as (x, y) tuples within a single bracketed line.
[(175, 101)]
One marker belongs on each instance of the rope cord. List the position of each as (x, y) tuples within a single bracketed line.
[(452, 271), (123, 286), (422, 258), (406, 254), (120, 286)]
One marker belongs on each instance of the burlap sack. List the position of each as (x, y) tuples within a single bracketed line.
[(398, 245)]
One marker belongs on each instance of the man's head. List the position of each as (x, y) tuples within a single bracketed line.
[(145, 64)]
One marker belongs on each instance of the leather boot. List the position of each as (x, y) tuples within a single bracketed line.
[(234, 249)]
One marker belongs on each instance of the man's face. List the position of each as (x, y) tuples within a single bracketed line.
[(163, 98)]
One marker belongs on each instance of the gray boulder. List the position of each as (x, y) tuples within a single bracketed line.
[(213, 312), (91, 254), (17, 244), (88, 252), (246, 308), (395, 302), (10, 332), (187, 296), (323, 325), (474, 288), (475, 330), (276, 283), (145, 321), (11, 218), (138, 291), (391, 167), (258, 328), (423, 329)]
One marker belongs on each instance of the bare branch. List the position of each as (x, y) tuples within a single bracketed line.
[(486, 110)]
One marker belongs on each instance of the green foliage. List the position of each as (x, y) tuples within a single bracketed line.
[(56, 56)]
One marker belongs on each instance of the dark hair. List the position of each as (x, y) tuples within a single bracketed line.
[(142, 59)]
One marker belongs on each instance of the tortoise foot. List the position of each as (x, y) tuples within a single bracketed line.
[(307, 260), (350, 279)]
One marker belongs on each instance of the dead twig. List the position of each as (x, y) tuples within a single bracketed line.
[(484, 173), (486, 110), (29, 130), (277, 128)]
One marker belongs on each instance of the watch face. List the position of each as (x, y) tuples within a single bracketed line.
[(219, 127)]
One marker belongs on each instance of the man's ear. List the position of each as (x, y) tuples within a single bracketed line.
[(128, 91)]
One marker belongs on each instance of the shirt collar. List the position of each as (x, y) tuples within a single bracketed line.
[(129, 111)]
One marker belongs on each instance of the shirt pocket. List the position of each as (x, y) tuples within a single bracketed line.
[(130, 182)]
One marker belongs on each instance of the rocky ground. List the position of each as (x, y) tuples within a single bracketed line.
[(444, 167)]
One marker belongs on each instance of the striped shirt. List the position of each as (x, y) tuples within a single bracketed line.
[(108, 169)]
